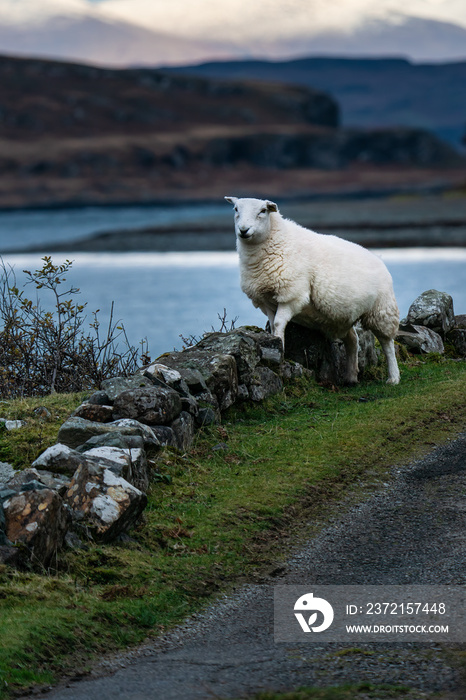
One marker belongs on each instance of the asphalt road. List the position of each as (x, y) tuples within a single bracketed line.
[(413, 531)]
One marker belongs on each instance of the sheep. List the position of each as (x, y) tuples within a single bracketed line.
[(319, 281)]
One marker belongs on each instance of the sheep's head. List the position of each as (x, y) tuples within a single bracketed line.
[(252, 218)]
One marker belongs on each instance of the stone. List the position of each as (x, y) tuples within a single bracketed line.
[(183, 428), (60, 458), (305, 346), (3, 538), (420, 339), (114, 387), (271, 356), (270, 347), (131, 464), (264, 383), (153, 405), (57, 482), (206, 416), (115, 439), (99, 398), (116, 456), (241, 346), (160, 372), (22, 477), (217, 369), (367, 353), (76, 431), (193, 379), (95, 412), (434, 310), (161, 375), (29, 479), (6, 492), (139, 471), (72, 541), (12, 424), (189, 404), (208, 399), (208, 405), (291, 370), (249, 346), (457, 338), (104, 503), (219, 447), (7, 472), (43, 413), (314, 351), (460, 321), (118, 459), (9, 555), (38, 520), (33, 485), (243, 392), (165, 435)]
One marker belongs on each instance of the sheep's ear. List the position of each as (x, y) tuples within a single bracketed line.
[(232, 200), (271, 206)]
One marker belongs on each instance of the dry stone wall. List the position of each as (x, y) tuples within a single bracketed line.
[(91, 485)]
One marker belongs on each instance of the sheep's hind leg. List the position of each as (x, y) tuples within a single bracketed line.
[(388, 346), (351, 346), (284, 313)]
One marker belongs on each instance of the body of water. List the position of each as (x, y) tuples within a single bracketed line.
[(159, 296), (24, 229)]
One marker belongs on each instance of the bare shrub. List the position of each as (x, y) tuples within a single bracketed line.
[(225, 326), (43, 351)]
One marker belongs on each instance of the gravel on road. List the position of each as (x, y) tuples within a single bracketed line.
[(411, 531)]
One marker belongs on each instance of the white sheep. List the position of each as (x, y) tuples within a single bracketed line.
[(319, 281)]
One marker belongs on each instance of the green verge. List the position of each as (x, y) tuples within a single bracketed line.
[(216, 516), (360, 691)]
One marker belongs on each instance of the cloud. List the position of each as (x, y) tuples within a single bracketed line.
[(248, 25), (237, 20), (15, 12)]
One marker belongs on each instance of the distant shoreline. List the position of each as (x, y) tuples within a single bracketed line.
[(398, 221), (337, 195), (439, 234)]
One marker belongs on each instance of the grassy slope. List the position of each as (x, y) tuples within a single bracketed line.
[(214, 516)]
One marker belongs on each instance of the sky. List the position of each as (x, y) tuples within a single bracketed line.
[(232, 19)]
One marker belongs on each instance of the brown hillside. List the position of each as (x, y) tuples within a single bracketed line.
[(76, 134), (40, 98)]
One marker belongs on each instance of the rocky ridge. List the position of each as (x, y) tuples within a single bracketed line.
[(91, 485), (73, 134)]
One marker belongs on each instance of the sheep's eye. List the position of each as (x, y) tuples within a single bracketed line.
[(262, 211)]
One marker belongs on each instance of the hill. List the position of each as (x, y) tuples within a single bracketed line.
[(122, 33), (96, 38), (76, 134), (371, 92), (40, 97)]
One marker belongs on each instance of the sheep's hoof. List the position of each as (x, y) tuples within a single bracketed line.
[(393, 380), (350, 381)]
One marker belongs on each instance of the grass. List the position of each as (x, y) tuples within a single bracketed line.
[(21, 447), (360, 691), (215, 516)]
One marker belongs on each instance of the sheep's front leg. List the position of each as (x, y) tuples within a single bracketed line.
[(270, 313), (284, 313), (351, 343)]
